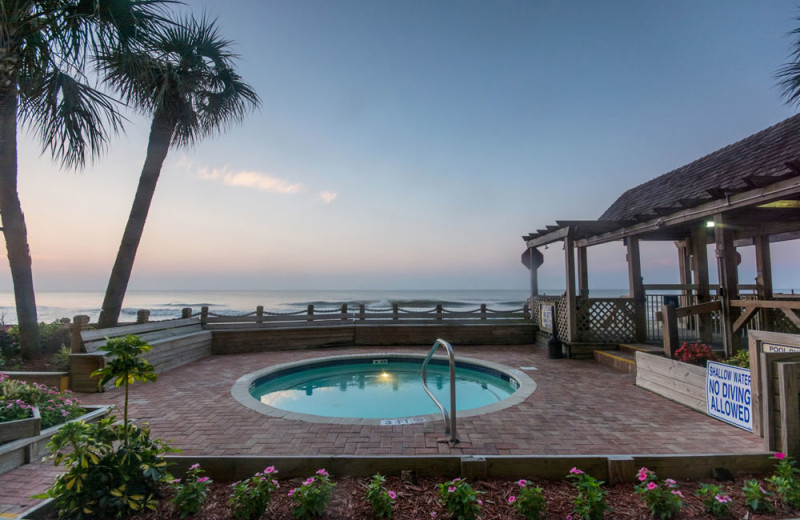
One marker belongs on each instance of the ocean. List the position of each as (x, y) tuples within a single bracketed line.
[(53, 305)]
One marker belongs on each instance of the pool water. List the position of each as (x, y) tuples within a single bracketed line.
[(380, 389)]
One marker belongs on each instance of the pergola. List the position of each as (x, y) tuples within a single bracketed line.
[(747, 193)]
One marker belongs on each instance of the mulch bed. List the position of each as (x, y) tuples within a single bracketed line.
[(419, 501)]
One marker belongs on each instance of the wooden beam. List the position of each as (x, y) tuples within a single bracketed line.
[(701, 308), (636, 288), (549, 238), (700, 277), (763, 267), (583, 272), (744, 318), (792, 317), (727, 267)]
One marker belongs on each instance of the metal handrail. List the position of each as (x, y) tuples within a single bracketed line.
[(449, 419)]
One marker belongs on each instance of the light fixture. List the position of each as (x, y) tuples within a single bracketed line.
[(709, 223)]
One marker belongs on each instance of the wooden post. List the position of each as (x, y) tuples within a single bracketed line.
[(186, 312), (763, 267), (344, 312), (361, 312), (79, 323), (203, 315), (583, 272), (727, 265), (789, 437), (310, 313), (142, 316), (669, 328), (395, 312), (684, 270), (438, 312), (483, 311), (260, 314), (534, 272), (636, 287), (571, 334), (700, 272)]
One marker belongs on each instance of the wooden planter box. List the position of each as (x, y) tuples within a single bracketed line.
[(678, 381), (25, 450), (19, 429)]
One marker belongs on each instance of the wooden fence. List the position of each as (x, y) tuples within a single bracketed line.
[(361, 315)]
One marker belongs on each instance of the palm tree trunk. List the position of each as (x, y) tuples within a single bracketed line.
[(14, 230), (157, 148)]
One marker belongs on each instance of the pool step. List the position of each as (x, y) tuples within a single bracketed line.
[(641, 347), (616, 359)]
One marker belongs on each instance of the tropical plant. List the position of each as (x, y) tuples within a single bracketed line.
[(786, 480), (756, 497), (714, 500), (191, 492), (529, 502), (190, 88), (125, 367), (460, 499), (44, 45), (312, 496), (663, 499), (112, 470), (250, 497), (590, 502), (379, 497)]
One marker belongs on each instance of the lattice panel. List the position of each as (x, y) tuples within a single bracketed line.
[(781, 323), (562, 318), (606, 321)]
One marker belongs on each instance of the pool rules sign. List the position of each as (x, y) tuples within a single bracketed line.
[(728, 394)]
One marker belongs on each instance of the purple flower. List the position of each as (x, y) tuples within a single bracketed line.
[(670, 482), (194, 466), (292, 492), (522, 482), (575, 471), (511, 499), (203, 479), (322, 472), (780, 456), (176, 481), (308, 481), (270, 469), (678, 493), (451, 489), (392, 495)]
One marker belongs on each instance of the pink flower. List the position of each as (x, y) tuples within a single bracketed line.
[(308, 481), (480, 502), (451, 489), (433, 514), (392, 495), (203, 479), (322, 472), (511, 499), (176, 481), (292, 492), (270, 469), (194, 466), (575, 471), (642, 476), (275, 483), (723, 499), (522, 483), (670, 482), (651, 486), (780, 456), (569, 517), (678, 493)]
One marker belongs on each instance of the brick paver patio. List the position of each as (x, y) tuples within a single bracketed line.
[(579, 407)]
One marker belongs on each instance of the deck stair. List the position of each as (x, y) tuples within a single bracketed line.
[(623, 358)]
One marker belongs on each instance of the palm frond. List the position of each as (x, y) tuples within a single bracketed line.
[(788, 76), (71, 118)]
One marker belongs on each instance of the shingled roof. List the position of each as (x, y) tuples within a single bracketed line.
[(763, 158)]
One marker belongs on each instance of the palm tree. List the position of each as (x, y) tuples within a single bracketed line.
[(191, 90), (789, 75), (44, 45)]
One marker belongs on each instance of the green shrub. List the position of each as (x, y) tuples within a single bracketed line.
[(460, 500), (741, 359)]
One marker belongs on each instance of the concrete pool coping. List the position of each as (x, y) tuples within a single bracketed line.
[(241, 390)]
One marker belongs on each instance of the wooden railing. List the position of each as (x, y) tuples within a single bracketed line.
[(773, 315), (361, 315)]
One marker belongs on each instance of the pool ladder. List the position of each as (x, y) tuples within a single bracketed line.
[(449, 419)]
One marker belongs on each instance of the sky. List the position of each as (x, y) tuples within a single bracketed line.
[(411, 144)]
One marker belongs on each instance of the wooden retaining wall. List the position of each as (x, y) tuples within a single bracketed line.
[(251, 339), (675, 380)]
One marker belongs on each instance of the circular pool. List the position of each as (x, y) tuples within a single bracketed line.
[(379, 389)]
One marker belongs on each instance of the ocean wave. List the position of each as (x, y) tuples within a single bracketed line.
[(414, 303)]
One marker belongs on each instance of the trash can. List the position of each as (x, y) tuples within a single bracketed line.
[(554, 347)]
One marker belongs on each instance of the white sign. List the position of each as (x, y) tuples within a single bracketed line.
[(728, 394), (546, 322), (772, 348)]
